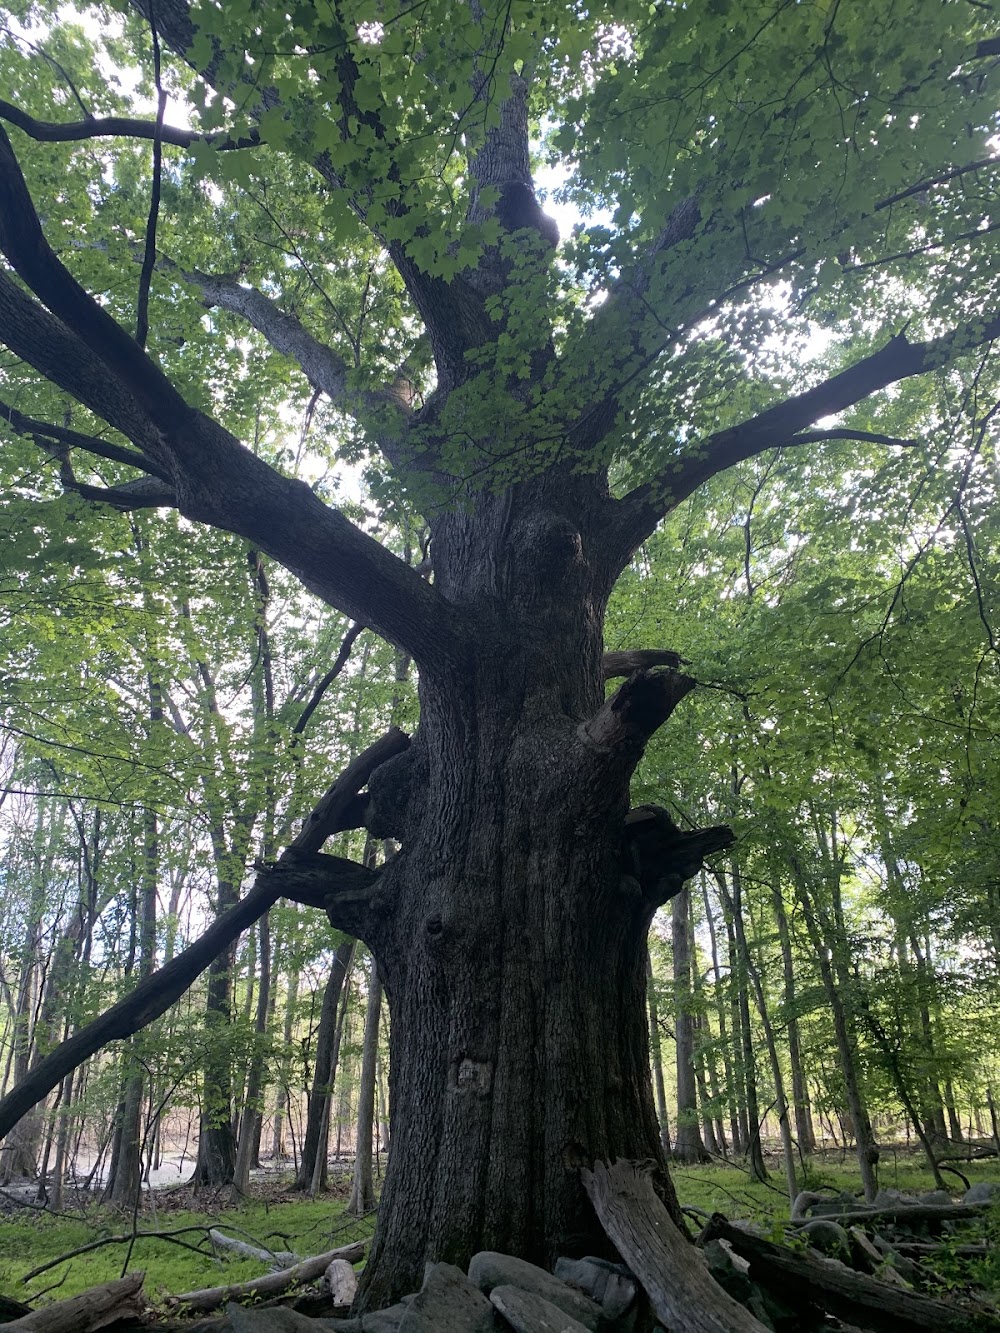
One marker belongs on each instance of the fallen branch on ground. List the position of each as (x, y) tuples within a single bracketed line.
[(904, 1212), (841, 1291), (210, 1298), (281, 1259)]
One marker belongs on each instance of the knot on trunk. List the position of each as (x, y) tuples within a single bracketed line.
[(663, 857)]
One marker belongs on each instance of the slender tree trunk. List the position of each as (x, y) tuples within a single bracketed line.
[(285, 1068), (804, 1132), (733, 905), (656, 1051), (718, 991), (363, 1189), (324, 1068), (253, 1109), (125, 1176), (867, 1150), (688, 1145)]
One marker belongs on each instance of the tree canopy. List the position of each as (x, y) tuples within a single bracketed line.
[(247, 246)]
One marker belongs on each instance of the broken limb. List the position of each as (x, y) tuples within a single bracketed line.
[(845, 1293), (636, 710), (666, 856), (639, 659)]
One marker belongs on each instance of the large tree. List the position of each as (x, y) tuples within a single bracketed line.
[(368, 169)]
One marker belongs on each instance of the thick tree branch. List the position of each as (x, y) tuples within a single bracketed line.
[(328, 816), (338, 886), (635, 711), (143, 493), (217, 480), (119, 127), (786, 423), (68, 361), (151, 997), (323, 367)]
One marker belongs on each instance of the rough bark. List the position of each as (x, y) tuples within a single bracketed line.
[(514, 917), (684, 1295)]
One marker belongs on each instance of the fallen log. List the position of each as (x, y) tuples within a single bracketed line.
[(847, 1294), (274, 1259), (685, 1296), (905, 1212), (93, 1309), (210, 1298)]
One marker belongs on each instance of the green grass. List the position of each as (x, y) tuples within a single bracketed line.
[(272, 1220), (275, 1219), (727, 1189)]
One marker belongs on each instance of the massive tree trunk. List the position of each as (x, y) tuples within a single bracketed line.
[(510, 930)]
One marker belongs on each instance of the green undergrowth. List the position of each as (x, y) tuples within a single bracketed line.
[(272, 1218)]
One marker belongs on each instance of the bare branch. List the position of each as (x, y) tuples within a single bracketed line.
[(46, 435), (328, 678), (322, 366), (849, 433), (120, 127)]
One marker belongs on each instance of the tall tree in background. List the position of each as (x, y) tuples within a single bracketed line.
[(370, 211)]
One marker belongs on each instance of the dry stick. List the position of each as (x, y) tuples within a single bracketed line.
[(210, 1298), (171, 1236), (684, 1294)]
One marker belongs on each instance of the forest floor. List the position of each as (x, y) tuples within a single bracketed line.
[(275, 1218)]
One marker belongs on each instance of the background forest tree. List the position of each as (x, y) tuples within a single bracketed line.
[(786, 245)]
